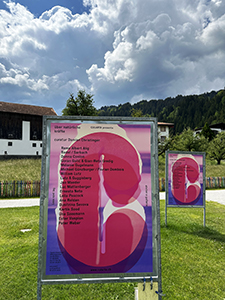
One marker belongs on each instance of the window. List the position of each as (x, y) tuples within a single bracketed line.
[(34, 145), (163, 128), (10, 143)]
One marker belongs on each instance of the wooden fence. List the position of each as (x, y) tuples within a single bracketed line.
[(211, 183), (22, 189)]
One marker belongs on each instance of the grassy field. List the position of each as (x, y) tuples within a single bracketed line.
[(30, 169), (20, 169), (193, 258)]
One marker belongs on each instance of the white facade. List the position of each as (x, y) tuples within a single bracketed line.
[(163, 131), (216, 129), (25, 147)]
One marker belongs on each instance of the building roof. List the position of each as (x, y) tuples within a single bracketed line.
[(165, 124), (26, 109), (218, 125)]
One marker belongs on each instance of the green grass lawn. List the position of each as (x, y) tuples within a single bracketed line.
[(20, 169), (193, 258)]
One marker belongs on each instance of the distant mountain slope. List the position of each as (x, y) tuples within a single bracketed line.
[(184, 111)]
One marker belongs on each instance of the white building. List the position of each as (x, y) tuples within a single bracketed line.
[(164, 131), (21, 129), (216, 128)]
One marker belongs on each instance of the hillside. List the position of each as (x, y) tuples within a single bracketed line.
[(184, 111)]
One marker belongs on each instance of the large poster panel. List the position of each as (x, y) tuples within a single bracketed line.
[(98, 216), (185, 178)]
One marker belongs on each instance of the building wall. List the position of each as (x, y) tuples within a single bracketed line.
[(216, 130), (11, 126), (163, 132), (21, 147)]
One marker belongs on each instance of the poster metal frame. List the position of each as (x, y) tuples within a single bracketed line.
[(156, 239), (167, 183)]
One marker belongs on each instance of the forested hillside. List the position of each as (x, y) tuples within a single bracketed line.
[(184, 111)]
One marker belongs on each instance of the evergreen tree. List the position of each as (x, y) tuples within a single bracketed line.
[(207, 132), (193, 110)]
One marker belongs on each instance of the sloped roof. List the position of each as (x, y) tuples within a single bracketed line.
[(165, 124), (218, 125), (26, 109)]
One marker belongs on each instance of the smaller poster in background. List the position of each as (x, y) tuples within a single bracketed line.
[(185, 174)]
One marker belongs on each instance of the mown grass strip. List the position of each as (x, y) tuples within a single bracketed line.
[(193, 258)]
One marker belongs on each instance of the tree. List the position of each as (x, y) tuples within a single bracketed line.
[(187, 141), (136, 113), (207, 132), (216, 149), (164, 146), (82, 105)]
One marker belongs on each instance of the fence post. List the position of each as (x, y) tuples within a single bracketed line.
[(6, 188), (163, 184), (14, 188)]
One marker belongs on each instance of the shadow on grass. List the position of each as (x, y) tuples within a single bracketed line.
[(197, 230)]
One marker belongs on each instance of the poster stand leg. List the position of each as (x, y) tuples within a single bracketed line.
[(39, 291), (39, 285), (204, 217), (149, 292), (165, 213)]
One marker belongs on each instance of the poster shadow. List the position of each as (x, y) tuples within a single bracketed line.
[(197, 230)]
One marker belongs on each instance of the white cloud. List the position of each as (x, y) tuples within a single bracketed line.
[(121, 51), (213, 36), (137, 98), (169, 53)]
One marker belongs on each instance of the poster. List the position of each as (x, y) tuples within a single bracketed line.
[(99, 212), (185, 178)]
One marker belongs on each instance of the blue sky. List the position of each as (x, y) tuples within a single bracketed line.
[(120, 51), (37, 7)]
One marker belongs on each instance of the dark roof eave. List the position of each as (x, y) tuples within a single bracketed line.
[(26, 109)]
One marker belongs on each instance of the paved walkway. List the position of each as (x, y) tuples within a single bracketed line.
[(19, 202), (211, 195)]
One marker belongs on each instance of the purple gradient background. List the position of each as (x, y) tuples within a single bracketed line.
[(172, 157), (140, 136)]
